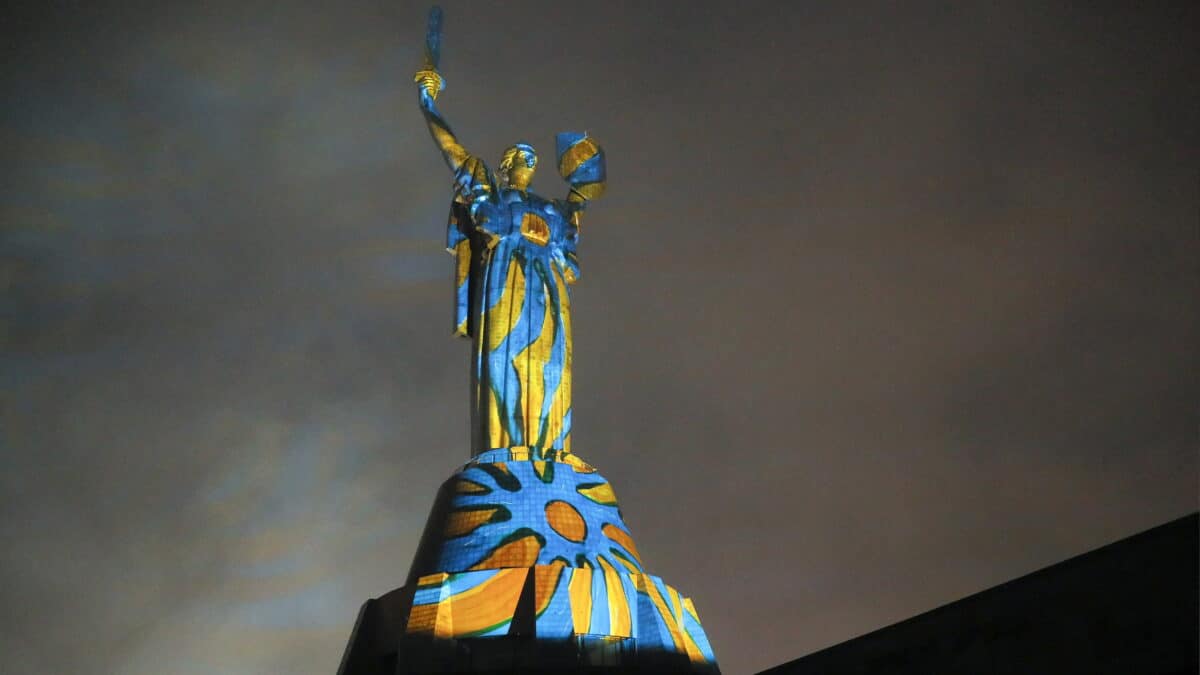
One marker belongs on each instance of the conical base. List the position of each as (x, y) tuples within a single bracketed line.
[(526, 565)]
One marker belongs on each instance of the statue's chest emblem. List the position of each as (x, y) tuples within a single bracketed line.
[(534, 228)]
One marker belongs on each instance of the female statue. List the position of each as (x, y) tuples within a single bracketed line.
[(515, 255)]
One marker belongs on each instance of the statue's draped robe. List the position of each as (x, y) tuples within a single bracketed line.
[(515, 254), (515, 260)]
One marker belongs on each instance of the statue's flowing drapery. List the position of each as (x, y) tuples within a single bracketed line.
[(515, 260)]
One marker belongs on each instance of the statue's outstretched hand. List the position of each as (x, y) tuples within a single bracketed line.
[(430, 82)]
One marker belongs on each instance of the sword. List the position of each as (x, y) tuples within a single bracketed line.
[(433, 38)]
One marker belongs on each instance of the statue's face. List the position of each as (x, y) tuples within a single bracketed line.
[(520, 170)]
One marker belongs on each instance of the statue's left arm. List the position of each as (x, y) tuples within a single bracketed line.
[(581, 164)]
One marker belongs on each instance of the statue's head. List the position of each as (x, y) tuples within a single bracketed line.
[(517, 166)]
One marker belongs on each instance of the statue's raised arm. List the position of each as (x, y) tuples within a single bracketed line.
[(471, 175), (429, 85)]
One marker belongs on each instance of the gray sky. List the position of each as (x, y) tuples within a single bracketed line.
[(886, 304)]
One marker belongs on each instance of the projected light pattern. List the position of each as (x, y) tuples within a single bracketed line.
[(527, 538), (525, 513), (523, 351), (567, 602)]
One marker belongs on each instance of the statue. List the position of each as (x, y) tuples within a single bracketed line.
[(515, 261), (526, 563)]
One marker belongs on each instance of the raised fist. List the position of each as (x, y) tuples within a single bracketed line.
[(430, 82)]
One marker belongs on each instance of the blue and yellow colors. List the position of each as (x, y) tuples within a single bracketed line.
[(515, 259), (503, 512), (526, 543), (517, 540)]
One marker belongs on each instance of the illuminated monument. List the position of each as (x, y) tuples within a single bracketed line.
[(526, 564)]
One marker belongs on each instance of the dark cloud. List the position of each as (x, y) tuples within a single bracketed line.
[(885, 305)]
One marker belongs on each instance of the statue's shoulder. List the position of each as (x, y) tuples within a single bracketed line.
[(474, 180)]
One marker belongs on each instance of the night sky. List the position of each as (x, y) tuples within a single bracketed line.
[(886, 304)]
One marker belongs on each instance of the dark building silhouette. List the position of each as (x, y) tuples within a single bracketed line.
[(1130, 608)]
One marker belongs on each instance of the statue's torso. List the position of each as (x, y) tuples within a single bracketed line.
[(526, 221)]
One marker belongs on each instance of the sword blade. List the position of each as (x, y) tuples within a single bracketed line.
[(433, 38)]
